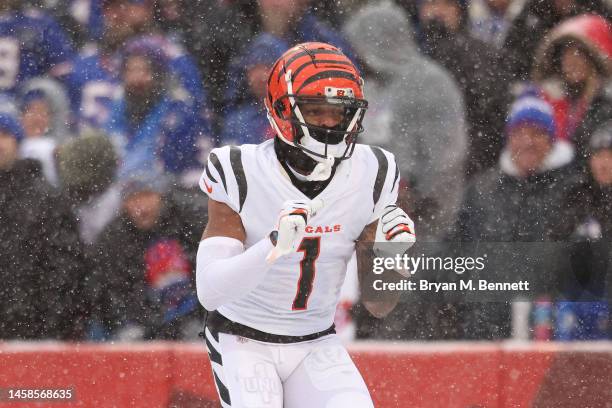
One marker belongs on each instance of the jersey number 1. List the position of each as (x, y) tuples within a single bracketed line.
[(310, 247)]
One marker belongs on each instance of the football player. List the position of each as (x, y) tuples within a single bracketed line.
[(284, 220)]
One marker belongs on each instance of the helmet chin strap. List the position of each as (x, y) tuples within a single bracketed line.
[(322, 170)]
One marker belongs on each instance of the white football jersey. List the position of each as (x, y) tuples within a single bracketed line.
[(299, 294)]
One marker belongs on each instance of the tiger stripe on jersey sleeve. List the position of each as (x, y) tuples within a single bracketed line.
[(236, 162), (214, 160), (381, 174), (386, 183), (224, 178)]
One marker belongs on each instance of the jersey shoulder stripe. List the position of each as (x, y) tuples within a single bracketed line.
[(224, 178), (381, 174), (384, 175), (214, 160), (237, 166)]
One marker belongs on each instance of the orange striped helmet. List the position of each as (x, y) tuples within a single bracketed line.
[(316, 73)]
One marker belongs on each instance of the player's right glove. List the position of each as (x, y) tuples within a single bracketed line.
[(291, 226)]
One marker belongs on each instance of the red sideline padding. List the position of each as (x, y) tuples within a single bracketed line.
[(556, 375), (398, 375)]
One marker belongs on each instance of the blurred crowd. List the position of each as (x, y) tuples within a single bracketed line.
[(499, 113)]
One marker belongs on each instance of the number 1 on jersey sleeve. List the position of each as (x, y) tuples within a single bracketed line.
[(310, 247)]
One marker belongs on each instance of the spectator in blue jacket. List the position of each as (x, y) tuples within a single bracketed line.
[(246, 121), (153, 127)]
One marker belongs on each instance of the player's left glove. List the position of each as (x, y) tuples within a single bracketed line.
[(394, 233), (291, 226)]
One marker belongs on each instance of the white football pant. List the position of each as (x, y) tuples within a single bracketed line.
[(311, 374)]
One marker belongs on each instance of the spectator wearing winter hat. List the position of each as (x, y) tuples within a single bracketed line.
[(535, 168), (573, 65), (478, 70), (45, 117), (245, 120), (41, 261), (526, 198), (142, 283), (530, 132)]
